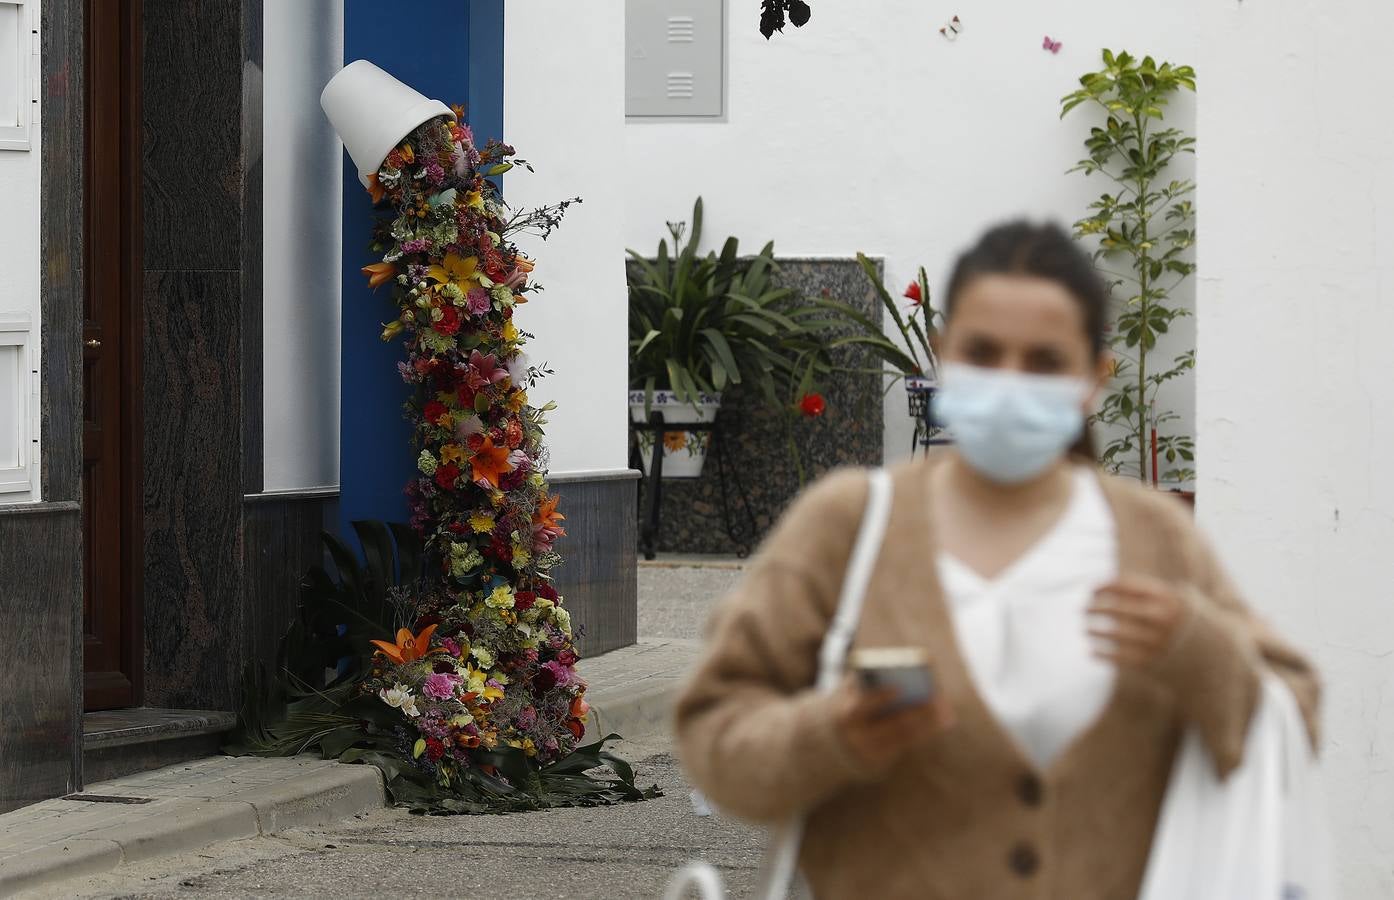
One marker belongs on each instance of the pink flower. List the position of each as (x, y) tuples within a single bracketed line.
[(450, 646), (440, 686), (484, 370), (479, 301)]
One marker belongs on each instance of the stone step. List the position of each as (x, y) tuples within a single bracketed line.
[(121, 742)]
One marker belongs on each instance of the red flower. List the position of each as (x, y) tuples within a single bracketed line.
[(567, 657), (548, 592), (446, 475), (812, 405), (449, 321), (434, 749), (433, 411), (576, 727), (523, 601), (913, 292), (544, 680), (474, 441)]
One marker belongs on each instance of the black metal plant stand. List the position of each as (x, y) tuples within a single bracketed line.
[(927, 433), (650, 518)]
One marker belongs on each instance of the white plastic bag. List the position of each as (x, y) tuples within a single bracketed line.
[(1259, 835)]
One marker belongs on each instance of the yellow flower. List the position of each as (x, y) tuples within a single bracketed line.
[(529, 748), (521, 557), (500, 598), (475, 200), (451, 452), (392, 329), (463, 273), (482, 523), (517, 400), (496, 497), (510, 331), (491, 693)]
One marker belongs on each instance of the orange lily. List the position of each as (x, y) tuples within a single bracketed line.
[(458, 110), (523, 264), (406, 152), (376, 190), (409, 647), (547, 515), (489, 462), (379, 273), (579, 708)]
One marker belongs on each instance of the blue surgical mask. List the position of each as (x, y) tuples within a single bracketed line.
[(1010, 426)]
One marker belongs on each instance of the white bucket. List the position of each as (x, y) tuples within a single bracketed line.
[(372, 112), (684, 451)]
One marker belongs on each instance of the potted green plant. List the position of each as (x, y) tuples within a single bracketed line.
[(1146, 222), (911, 359), (701, 323)]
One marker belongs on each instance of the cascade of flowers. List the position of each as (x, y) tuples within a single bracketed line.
[(488, 660)]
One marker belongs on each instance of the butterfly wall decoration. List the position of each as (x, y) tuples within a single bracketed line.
[(1052, 46), (952, 29)]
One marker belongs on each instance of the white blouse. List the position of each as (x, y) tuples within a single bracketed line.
[(1024, 633)]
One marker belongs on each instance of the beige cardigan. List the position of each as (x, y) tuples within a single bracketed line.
[(968, 817)]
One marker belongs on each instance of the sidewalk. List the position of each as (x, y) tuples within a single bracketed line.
[(191, 805), (173, 810)]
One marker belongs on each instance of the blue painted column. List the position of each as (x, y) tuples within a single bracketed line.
[(456, 58)]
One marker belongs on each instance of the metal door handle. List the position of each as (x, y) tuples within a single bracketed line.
[(94, 343)]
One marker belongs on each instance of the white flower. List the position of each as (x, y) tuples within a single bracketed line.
[(563, 619), (518, 369), (486, 659), (399, 696)]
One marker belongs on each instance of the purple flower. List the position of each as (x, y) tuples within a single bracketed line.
[(560, 673), (416, 245), (434, 173), (450, 646), (440, 686), (479, 301), (527, 718)]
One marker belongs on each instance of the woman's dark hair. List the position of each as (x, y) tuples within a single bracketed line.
[(1039, 251)]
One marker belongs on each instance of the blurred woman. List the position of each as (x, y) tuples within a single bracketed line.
[(1077, 625)]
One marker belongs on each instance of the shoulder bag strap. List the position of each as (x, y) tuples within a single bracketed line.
[(784, 851)]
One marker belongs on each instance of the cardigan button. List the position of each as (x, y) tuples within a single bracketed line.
[(1024, 860), (1030, 790)]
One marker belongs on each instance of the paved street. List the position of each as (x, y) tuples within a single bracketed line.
[(617, 852), (607, 854)]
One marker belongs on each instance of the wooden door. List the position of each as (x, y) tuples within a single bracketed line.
[(111, 481)]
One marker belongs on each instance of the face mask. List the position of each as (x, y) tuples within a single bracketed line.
[(1010, 426)]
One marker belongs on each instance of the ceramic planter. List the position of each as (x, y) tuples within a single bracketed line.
[(684, 451), (372, 112)]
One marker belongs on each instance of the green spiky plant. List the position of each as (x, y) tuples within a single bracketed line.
[(1146, 222)]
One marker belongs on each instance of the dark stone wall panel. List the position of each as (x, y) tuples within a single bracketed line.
[(193, 496), (192, 84), (41, 668), (756, 445), (598, 577), (252, 426), (61, 285), (281, 540)]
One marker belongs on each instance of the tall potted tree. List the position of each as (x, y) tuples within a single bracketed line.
[(1146, 221)]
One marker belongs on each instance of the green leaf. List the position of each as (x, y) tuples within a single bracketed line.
[(418, 748)]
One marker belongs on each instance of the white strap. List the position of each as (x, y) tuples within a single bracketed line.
[(784, 851)]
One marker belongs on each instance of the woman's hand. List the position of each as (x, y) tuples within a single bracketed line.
[(878, 738), (1135, 619)]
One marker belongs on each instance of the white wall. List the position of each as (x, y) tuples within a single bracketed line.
[(303, 196), (865, 130), (1296, 305), (564, 112), (19, 256)]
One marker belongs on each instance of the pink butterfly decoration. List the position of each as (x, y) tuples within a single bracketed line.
[(1052, 46)]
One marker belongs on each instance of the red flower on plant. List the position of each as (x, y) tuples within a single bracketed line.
[(523, 600), (449, 320), (433, 411), (913, 293), (446, 475), (812, 405), (434, 749)]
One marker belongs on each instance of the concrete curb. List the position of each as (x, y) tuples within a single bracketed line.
[(78, 842), (636, 687)]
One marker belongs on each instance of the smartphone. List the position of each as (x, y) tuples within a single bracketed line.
[(905, 669)]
